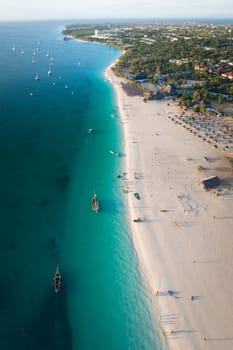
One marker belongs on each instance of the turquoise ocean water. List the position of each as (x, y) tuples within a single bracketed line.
[(50, 168)]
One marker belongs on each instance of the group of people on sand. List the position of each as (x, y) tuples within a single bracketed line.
[(169, 292)]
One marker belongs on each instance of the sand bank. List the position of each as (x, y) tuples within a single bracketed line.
[(185, 242)]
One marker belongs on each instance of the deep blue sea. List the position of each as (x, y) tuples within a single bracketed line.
[(50, 168)]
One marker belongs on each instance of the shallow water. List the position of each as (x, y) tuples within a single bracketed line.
[(50, 168)]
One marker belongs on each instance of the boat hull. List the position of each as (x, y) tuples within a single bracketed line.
[(57, 280), (95, 203)]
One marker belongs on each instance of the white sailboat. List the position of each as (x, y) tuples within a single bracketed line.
[(37, 77), (51, 61)]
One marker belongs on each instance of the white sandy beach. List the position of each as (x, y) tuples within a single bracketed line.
[(185, 242)]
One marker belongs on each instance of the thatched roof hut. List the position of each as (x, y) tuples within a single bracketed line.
[(210, 182)]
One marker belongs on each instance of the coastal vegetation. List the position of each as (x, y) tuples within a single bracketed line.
[(190, 61), (79, 31)]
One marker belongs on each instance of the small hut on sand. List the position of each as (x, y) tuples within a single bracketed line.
[(210, 182)]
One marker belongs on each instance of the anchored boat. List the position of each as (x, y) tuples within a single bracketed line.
[(116, 154), (49, 71), (95, 203), (37, 77), (57, 280)]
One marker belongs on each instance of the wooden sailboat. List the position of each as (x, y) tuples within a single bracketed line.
[(57, 280), (95, 203)]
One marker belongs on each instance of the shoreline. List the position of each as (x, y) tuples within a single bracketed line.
[(184, 245)]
